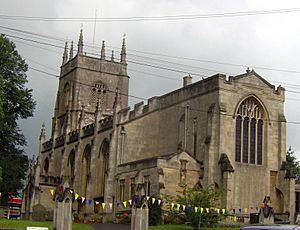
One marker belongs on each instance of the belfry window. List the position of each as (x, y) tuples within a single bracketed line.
[(249, 132), (98, 92)]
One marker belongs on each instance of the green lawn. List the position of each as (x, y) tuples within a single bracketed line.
[(22, 224), (183, 227)]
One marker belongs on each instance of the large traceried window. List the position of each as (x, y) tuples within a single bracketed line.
[(249, 132)]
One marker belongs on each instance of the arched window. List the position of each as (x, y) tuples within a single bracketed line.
[(104, 160), (86, 169), (249, 132)]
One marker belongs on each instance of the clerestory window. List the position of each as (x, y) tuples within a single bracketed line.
[(249, 132)]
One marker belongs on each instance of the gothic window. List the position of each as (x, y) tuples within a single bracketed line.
[(98, 92), (249, 132), (183, 172), (122, 190), (181, 132), (103, 169), (86, 169)]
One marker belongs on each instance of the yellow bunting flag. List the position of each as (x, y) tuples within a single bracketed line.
[(246, 210), (153, 200), (52, 192), (82, 198), (207, 210), (183, 207), (110, 205), (76, 196), (172, 205), (223, 210), (103, 205), (234, 218), (196, 209), (178, 206), (125, 204)]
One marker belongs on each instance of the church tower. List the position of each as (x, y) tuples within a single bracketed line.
[(86, 81)]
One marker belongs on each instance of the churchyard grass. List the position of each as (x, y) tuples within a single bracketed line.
[(183, 227), (22, 224)]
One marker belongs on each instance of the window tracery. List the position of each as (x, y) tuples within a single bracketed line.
[(249, 132)]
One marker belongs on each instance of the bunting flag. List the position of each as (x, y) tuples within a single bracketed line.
[(52, 192), (172, 205), (240, 210), (207, 210), (96, 202), (71, 191), (82, 199), (125, 204), (183, 207), (153, 200), (118, 203), (233, 210), (234, 218), (223, 210), (110, 205), (178, 206), (103, 205), (246, 210), (218, 210), (148, 197), (159, 201), (196, 209), (89, 202), (201, 210), (76, 196), (130, 202), (0, 194)]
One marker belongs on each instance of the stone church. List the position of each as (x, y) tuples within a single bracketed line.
[(226, 132)]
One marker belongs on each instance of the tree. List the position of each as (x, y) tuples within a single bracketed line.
[(15, 103), (293, 163), (195, 200)]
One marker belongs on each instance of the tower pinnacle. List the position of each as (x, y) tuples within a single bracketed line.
[(103, 50), (80, 43), (123, 51), (71, 51), (65, 54)]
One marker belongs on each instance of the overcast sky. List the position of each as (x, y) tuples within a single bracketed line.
[(270, 41)]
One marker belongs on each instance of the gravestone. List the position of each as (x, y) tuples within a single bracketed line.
[(140, 216), (64, 197), (39, 213), (266, 213)]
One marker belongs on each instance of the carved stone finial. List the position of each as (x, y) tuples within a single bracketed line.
[(225, 164)]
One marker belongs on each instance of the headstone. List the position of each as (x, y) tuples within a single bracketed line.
[(39, 213), (266, 213), (64, 197)]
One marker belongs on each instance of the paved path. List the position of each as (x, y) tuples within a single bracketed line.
[(111, 226)]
